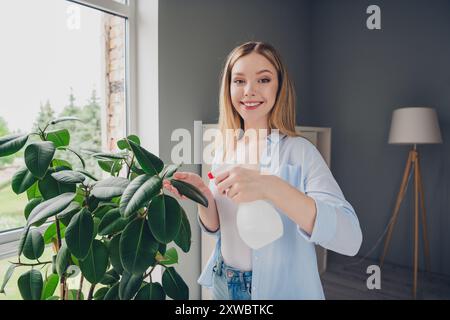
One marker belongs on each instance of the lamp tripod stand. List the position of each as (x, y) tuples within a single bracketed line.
[(411, 164)]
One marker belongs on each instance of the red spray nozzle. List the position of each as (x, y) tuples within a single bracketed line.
[(210, 175)]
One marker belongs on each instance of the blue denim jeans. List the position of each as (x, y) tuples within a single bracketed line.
[(230, 283)]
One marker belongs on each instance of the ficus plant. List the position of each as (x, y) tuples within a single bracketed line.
[(113, 232)]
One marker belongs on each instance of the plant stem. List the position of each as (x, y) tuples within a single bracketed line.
[(91, 291), (62, 281), (81, 287)]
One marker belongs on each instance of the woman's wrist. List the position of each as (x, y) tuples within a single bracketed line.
[(269, 184)]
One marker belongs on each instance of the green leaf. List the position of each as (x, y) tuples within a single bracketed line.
[(50, 286), (10, 144), (60, 138), (174, 285), (68, 176), (67, 214), (110, 188), (23, 238), (113, 293), (183, 238), (8, 275), (34, 245), (114, 252), (33, 192), (151, 291), (87, 174), (30, 285), (164, 218), (170, 257), (62, 259), (95, 264), (107, 155), (30, 206), (112, 222), (123, 144), (150, 163), (50, 208), (72, 294), (100, 293), (61, 119), (169, 171), (22, 180), (38, 156), (61, 163), (50, 187), (80, 233), (190, 192), (110, 277), (137, 247), (138, 193), (129, 285), (51, 233)]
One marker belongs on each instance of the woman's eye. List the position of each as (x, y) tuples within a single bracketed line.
[(265, 80), (238, 81)]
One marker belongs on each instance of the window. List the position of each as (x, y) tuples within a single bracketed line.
[(62, 58)]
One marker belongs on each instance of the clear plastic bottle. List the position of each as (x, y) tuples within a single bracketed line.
[(258, 222)]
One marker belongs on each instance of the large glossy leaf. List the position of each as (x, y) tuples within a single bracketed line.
[(138, 193), (112, 222), (30, 206), (95, 264), (110, 188), (114, 252), (150, 163), (7, 276), (10, 144), (137, 247), (50, 233), (100, 293), (190, 192), (151, 291), (113, 293), (50, 286), (170, 257), (174, 285), (109, 155), (34, 245), (50, 208), (62, 259), (22, 180), (183, 238), (66, 215), (38, 156), (22, 240), (33, 192), (80, 233), (60, 138), (68, 176), (129, 285), (123, 143), (110, 277), (164, 218), (169, 171), (50, 187), (30, 285)]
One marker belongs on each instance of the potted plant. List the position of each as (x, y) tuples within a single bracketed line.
[(113, 232)]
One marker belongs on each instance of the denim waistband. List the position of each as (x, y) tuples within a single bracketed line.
[(233, 275)]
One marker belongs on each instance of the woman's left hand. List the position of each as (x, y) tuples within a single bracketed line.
[(242, 185)]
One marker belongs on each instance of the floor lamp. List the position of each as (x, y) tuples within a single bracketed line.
[(413, 126)]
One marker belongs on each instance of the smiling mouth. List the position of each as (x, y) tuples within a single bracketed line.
[(251, 105)]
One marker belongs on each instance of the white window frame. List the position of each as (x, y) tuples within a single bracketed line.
[(9, 239)]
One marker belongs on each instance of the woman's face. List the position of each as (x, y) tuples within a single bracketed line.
[(253, 89)]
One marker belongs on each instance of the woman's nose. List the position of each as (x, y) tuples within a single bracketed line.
[(249, 91)]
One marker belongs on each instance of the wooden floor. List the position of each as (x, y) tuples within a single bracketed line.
[(345, 279)]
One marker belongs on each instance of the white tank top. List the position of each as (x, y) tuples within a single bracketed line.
[(236, 253)]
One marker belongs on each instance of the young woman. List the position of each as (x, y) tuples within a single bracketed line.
[(257, 94)]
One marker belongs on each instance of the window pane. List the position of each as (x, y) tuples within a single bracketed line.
[(60, 59)]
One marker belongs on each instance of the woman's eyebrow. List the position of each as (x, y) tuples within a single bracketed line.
[(259, 72)]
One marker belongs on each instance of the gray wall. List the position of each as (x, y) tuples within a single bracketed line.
[(347, 77), (358, 78), (194, 40)]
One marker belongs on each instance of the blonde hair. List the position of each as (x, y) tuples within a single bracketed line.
[(282, 115)]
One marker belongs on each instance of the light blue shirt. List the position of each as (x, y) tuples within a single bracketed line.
[(287, 268)]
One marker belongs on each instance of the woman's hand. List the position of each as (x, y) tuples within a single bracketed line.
[(242, 185), (190, 178)]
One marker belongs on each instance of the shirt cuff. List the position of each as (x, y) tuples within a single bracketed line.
[(324, 228), (202, 226)]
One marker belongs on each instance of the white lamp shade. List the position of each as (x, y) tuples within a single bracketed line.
[(415, 126)]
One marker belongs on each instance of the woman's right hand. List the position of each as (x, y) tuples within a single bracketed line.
[(190, 178)]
